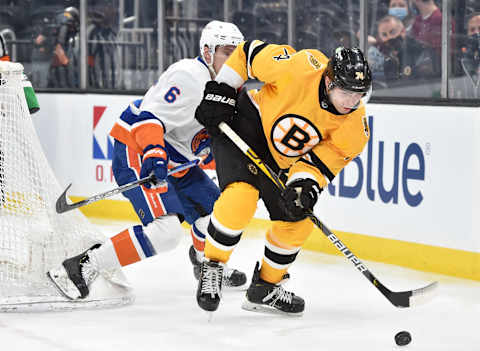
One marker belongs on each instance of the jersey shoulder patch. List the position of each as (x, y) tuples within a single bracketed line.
[(315, 59)]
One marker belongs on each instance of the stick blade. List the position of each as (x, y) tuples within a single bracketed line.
[(61, 205), (423, 295), (414, 297)]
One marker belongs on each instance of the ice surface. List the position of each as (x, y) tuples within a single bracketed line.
[(343, 311)]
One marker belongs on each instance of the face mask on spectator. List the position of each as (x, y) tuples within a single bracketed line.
[(475, 41), (472, 49), (471, 54), (391, 45), (399, 12)]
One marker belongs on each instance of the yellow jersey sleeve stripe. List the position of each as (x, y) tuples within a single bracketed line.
[(317, 162), (331, 157), (251, 49)]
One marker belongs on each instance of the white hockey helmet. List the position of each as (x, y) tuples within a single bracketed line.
[(217, 33)]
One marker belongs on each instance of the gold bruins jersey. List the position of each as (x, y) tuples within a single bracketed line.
[(302, 132)]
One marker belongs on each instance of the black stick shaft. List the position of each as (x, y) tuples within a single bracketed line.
[(62, 205), (398, 299)]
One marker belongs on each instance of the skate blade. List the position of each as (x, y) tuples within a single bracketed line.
[(259, 308), (209, 317), (62, 282), (243, 287)]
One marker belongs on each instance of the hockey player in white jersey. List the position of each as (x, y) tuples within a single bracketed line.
[(153, 134)]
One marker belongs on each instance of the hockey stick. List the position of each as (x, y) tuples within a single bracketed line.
[(398, 299), (62, 205)]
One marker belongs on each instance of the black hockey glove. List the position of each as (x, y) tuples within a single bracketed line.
[(299, 197), (218, 105)]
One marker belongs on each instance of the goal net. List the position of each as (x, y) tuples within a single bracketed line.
[(33, 237)]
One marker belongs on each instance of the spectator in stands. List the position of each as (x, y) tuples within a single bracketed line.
[(473, 24), (400, 9), (63, 71), (427, 27), (43, 29), (468, 86), (404, 57), (376, 61), (102, 58)]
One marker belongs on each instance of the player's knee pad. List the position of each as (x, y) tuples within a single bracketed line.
[(164, 233), (236, 205)]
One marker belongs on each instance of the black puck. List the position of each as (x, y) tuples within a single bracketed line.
[(403, 338)]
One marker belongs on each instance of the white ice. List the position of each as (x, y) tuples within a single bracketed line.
[(343, 312)]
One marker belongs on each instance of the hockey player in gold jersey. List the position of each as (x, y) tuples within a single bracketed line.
[(307, 122)]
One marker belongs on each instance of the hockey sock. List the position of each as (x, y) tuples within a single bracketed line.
[(282, 244), (198, 235), (137, 243), (104, 257), (220, 241)]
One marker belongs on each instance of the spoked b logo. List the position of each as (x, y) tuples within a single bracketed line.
[(294, 135)]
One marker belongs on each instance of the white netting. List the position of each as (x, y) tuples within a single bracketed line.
[(33, 237)]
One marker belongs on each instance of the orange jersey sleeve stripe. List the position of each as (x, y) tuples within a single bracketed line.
[(134, 160), (148, 134), (122, 135)]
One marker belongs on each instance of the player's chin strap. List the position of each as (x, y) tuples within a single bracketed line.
[(213, 74), (398, 299), (212, 71)]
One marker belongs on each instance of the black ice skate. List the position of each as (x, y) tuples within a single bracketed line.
[(195, 262), (209, 291), (271, 298), (232, 278), (75, 274)]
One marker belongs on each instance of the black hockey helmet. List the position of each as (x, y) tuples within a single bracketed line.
[(348, 69)]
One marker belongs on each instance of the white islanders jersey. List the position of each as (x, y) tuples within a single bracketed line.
[(173, 100), (166, 114)]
